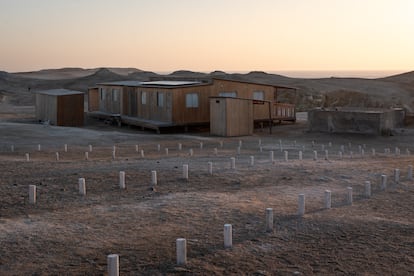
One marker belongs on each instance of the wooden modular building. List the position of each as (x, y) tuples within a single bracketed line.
[(60, 107), (168, 103)]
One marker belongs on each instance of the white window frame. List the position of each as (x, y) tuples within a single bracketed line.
[(229, 94), (191, 100), (143, 97), (258, 95), (160, 99)]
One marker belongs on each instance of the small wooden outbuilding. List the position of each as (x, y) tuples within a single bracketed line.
[(60, 107), (231, 116)]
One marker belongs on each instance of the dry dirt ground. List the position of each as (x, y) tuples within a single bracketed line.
[(65, 233)]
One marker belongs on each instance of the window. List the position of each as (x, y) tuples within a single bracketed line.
[(115, 95), (258, 95), (191, 100), (102, 94), (228, 94), (160, 99), (143, 97)]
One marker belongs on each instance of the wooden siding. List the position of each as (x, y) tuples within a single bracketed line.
[(93, 99), (46, 108), (70, 110)]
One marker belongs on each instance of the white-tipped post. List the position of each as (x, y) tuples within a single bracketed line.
[(233, 163), (272, 156), (185, 172), (397, 176), (210, 168), (301, 204), (154, 178), (215, 151), (191, 152), (136, 148), (27, 157), (367, 192), (349, 195), (240, 143), (315, 155), (166, 151), (260, 142), (286, 155), (142, 153), (410, 173), (201, 145), (300, 155), (228, 236), (326, 155), (57, 156), (86, 155), (383, 182), (32, 194), (238, 150), (122, 179), (180, 146), (66, 147), (82, 186), (269, 219), (158, 147), (39, 147), (90, 148), (181, 245), (113, 265), (328, 199)]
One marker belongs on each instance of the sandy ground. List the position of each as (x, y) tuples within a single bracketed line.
[(66, 233)]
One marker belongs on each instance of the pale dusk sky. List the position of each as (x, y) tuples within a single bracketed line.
[(207, 35)]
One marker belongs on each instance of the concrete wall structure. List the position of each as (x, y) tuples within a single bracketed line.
[(352, 120)]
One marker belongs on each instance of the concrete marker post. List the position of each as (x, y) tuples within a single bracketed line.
[(191, 152), (240, 143), (32, 194), (301, 205), (154, 180), (82, 186), (136, 148), (185, 171), (397, 176), (122, 179), (210, 168), (383, 182), (57, 156), (180, 146), (269, 219), (410, 173), (328, 199), (300, 155), (113, 155), (315, 155), (181, 250), (251, 161), (367, 191), (158, 147), (86, 155), (326, 155), (272, 156), (27, 157), (260, 142), (228, 236), (142, 153), (349, 195), (166, 151), (39, 147), (323, 147), (66, 147), (286, 155), (233, 163), (113, 265), (90, 148)]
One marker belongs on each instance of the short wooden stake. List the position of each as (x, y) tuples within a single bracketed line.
[(349, 195), (185, 172), (367, 189), (154, 178), (301, 204), (113, 265), (32, 194), (181, 245), (233, 163), (410, 173), (383, 182), (397, 176), (122, 179), (328, 200), (269, 219), (210, 168), (82, 186), (228, 236)]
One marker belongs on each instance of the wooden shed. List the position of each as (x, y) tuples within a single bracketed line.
[(60, 107), (231, 116)]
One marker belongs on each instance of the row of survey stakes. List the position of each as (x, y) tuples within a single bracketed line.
[(181, 243)]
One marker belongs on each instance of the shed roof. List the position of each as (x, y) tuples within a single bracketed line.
[(59, 92), (161, 83)]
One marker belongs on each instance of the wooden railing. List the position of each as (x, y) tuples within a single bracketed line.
[(283, 111)]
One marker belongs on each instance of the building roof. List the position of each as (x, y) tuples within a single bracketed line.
[(255, 82), (131, 83), (161, 83), (59, 92)]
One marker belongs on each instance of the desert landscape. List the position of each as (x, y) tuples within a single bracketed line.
[(67, 233)]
